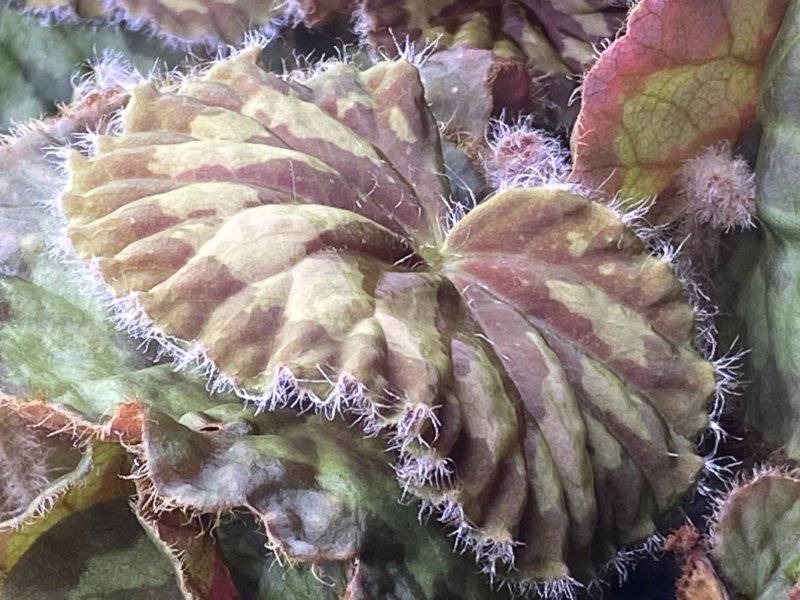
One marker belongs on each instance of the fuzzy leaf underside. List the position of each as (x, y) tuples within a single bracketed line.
[(755, 536), (678, 81), (770, 292), (289, 234)]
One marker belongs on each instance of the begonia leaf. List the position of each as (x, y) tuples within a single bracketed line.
[(37, 63), (56, 344), (678, 81), (74, 528), (755, 536), (465, 87), (533, 368), (323, 496), (769, 292), (30, 464), (553, 37), (202, 572), (96, 552), (205, 21)]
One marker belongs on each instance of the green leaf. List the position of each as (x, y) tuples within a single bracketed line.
[(533, 367), (323, 496), (74, 527), (37, 62), (755, 536), (31, 465), (98, 552), (770, 293)]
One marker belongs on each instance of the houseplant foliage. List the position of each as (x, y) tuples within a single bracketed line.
[(767, 294), (526, 369), (755, 536)]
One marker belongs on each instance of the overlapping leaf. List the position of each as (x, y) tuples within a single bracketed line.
[(37, 63), (78, 528), (56, 344), (756, 535), (770, 294), (551, 36), (533, 368), (30, 466), (321, 495), (677, 82), (213, 22)]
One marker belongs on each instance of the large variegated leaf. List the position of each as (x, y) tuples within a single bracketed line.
[(552, 36), (533, 368), (56, 344)]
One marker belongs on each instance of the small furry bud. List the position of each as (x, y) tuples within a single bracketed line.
[(719, 187), (521, 156)]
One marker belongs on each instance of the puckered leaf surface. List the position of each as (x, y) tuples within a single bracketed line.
[(56, 344), (533, 368), (321, 495), (551, 36), (756, 534), (677, 82), (200, 21)]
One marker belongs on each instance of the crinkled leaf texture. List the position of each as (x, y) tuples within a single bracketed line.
[(770, 293), (553, 37), (756, 536), (57, 345), (212, 22), (678, 81), (532, 368)]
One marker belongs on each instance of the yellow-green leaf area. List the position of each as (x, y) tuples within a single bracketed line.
[(673, 111)]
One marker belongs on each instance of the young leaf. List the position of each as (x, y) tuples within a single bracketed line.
[(677, 82), (533, 367), (755, 536)]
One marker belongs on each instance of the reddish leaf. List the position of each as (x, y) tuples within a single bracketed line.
[(679, 80)]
